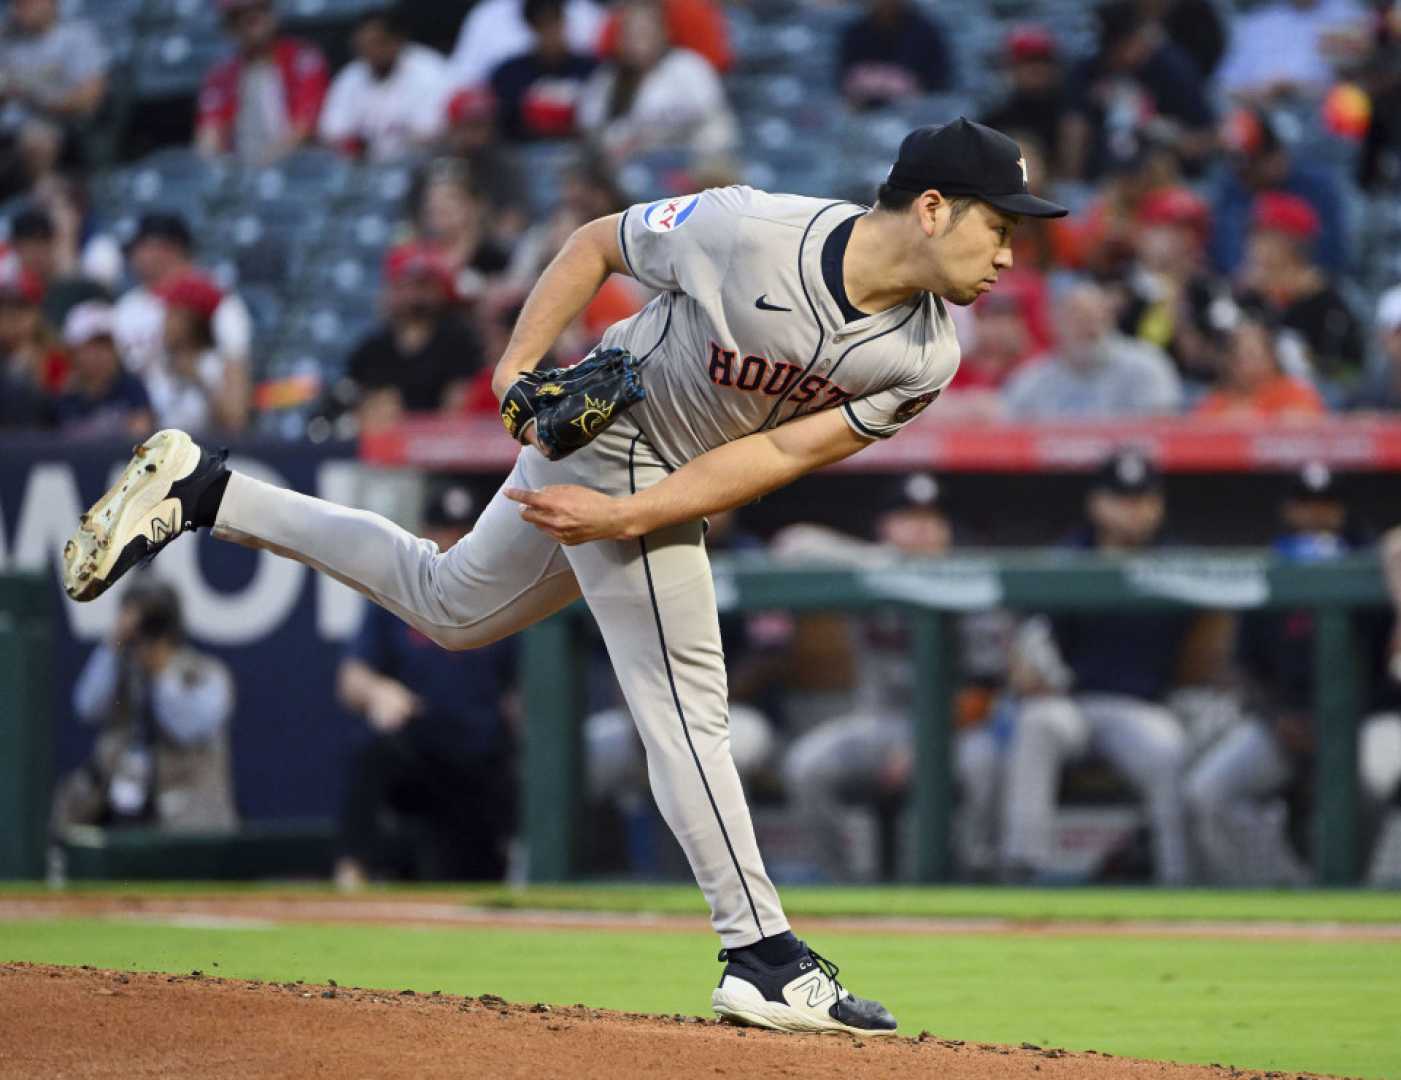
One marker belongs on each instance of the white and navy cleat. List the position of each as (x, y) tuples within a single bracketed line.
[(152, 502), (801, 996)]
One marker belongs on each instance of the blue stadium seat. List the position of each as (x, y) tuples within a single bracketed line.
[(260, 251), (383, 187), (173, 64), (543, 165), (313, 173), (199, 18)]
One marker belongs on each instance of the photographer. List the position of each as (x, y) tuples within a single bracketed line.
[(161, 756)]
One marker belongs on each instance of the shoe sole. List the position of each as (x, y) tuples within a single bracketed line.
[(137, 506), (776, 1017)]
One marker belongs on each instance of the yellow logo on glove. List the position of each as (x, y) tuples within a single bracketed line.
[(594, 417), (552, 388)]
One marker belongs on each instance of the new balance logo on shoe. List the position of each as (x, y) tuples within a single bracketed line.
[(163, 530), (818, 987)]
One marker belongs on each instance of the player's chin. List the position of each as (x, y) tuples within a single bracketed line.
[(964, 297)]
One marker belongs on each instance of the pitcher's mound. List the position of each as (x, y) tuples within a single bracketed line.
[(57, 1021)]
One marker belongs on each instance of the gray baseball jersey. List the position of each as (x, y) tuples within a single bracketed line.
[(745, 334)]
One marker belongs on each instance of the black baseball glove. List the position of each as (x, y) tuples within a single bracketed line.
[(573, 406)]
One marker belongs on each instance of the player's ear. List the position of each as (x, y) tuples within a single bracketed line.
[(931, 209)]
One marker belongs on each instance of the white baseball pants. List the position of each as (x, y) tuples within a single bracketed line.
[(1142, 741), (654, 601)]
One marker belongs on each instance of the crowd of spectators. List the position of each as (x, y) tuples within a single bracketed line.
[(1215, 162)]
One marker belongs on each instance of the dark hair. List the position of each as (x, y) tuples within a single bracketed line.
[(32, 223), (898, 200), (393, 19), (159, 607), (536, 10)]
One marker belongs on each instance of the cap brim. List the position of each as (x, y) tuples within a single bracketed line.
[(1026, 205)]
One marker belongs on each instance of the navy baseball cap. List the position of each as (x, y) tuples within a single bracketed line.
[(967, 158), (1128, 472)]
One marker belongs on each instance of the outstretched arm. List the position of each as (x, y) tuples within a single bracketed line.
[(565, 288), (721, 479)]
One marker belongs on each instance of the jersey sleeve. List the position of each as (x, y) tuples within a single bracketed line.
[(684, 243), (882, 414)]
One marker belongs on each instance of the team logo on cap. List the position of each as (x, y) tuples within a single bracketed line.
[(665, 215)]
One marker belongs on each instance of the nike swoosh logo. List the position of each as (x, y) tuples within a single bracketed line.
[(763, 305)]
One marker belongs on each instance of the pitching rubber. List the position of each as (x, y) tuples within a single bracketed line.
[(136, 506)]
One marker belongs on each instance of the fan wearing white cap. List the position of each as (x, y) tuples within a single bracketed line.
[(103, 399)]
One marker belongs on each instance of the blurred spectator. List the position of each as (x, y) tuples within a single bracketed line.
[(53, 77), (698, 25), (83, 256), (1279, 270), (537, 92), (1236, 791), (651, 96), (1101, 239), (1094, 683), (452, 222), (1195, 26), (1383, 390), (492, 167), (390, 100), (263, 102), (1138, 81), (31, 367), (868, 755), (39, 248), (1002, 342), (1289, 48), (496, 30), (892, 53), (103, 400), (1038, 102), (161, 756), (587, 192), (1169, 298), (1258, 162), (1095, 371), (423, 356), (161, 252), (196, 388), (440, 754), (1253, 382), (24, 353), (1379, 163)]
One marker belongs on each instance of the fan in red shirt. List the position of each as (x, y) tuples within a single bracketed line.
[(263, 102)]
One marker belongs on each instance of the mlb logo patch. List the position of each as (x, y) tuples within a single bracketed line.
[(664, 215)]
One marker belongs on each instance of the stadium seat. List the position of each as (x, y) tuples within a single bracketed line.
[(173, 64), (259, 251), (313, 173), (382, 187)]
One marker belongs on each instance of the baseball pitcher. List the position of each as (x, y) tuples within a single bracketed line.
[(787, 333)]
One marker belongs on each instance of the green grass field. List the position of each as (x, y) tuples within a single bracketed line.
[(1326, 1006)]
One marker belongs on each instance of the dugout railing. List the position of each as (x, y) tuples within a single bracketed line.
[(930, 594)]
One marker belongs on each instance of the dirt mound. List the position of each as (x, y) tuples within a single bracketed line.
[(83, 1022)]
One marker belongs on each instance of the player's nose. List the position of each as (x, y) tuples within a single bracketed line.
[(1003, 259)]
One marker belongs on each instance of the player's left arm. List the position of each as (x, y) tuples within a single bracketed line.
[(721, 479)]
